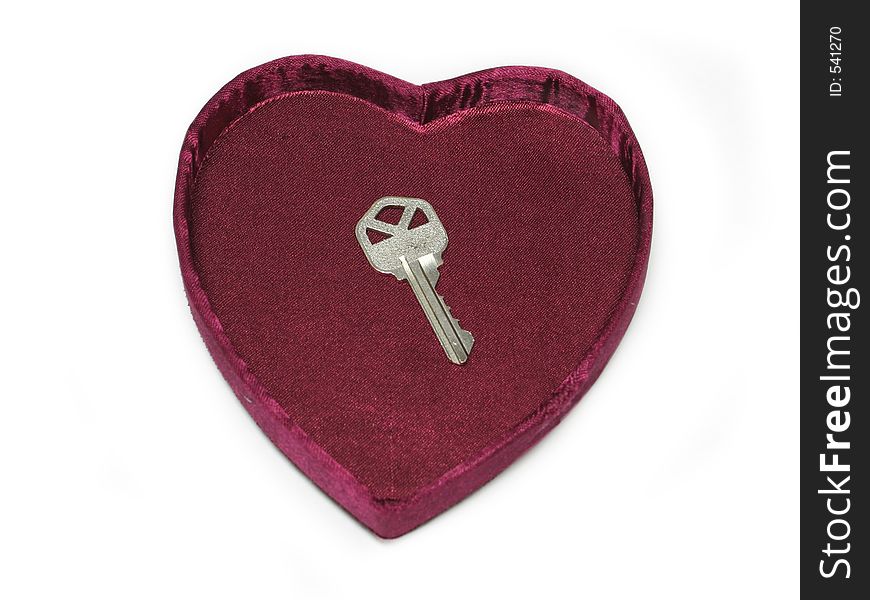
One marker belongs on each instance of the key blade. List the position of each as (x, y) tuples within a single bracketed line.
[(422, 275), (430, 268)]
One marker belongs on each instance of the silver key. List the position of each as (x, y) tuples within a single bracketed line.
[(413, 253)]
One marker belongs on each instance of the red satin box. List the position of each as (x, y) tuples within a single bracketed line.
[(542, 188)]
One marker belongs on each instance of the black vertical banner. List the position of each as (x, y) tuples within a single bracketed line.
[(835, 369)]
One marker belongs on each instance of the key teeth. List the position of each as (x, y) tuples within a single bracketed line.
[(468, 341)]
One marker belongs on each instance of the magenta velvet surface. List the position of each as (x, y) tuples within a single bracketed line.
[(545, 195)]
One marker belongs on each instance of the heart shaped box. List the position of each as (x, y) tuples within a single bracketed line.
[(545, 195)]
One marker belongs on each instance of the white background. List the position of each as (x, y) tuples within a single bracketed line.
[(127, 467)]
